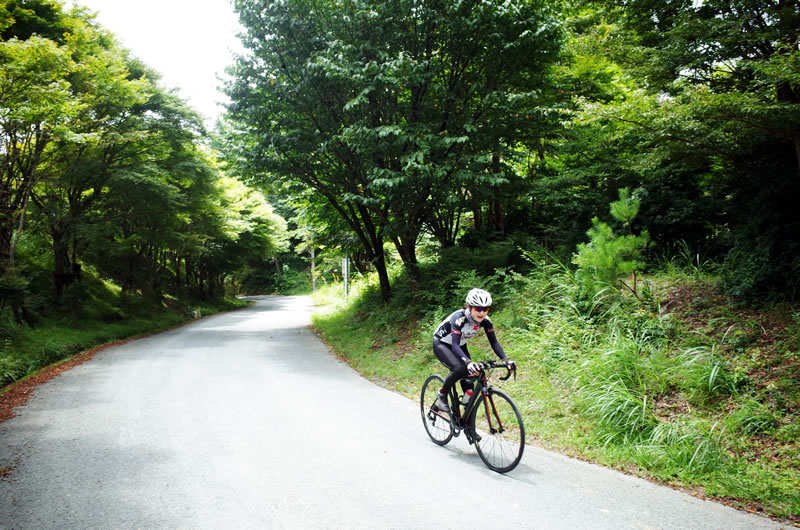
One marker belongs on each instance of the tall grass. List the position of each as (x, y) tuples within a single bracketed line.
[(624, 413), (705, 375), (616, 379), (686, 447)]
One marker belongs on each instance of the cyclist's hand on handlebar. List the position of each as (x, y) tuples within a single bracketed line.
[(473, 368), (511, 366)]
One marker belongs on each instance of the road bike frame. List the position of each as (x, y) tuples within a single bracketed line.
[(490, 418), (480, 396)]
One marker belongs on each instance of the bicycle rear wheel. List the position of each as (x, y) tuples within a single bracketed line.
[(499, 432), (437, 424)]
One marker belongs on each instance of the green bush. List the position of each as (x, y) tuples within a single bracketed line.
[(11, 369), (607, 260), (746, 271)]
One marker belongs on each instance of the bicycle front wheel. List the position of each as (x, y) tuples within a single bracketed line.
[(499, 432), (437, 424)]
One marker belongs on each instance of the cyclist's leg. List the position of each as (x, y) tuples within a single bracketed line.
[(446, 356), (466, 381)]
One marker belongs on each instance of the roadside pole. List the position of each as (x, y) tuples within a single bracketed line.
[(313, 271), (346, 273)]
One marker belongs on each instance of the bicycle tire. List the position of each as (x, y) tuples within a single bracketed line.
[(437, 424), (499, 432)]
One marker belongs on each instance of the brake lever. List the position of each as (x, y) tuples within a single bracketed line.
[(509, 372)]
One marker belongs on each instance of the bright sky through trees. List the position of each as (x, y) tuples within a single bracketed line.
[(189, 43)]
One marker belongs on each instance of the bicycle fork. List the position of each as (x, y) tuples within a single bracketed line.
[(495, 426)]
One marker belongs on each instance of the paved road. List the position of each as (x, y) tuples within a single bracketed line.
[(245, 420)]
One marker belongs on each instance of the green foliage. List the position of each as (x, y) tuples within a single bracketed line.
[(24, 18), (686, 448), (404, 109), (689, 262), (620, 409), (106, 174), (705, 124), (706, 376), (763, 266), (484, 259), (622, 386), (608, 259), (753, 417)]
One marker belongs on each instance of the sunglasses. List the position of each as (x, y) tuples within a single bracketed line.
[(480, 309)]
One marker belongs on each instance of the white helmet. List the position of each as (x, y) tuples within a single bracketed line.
[(479, 298)]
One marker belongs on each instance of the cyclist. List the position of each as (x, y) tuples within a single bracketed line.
[(450, 342)]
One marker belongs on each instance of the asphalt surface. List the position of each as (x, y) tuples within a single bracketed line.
[(246, 420)]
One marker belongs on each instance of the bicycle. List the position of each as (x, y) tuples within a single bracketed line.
[(490, 421)]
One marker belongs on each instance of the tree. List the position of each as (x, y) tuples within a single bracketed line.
[(608, 259), (719, 93), (80, 171), (385, 107), (112, 168), (36, 107), (23, 19), (251, 232), (160, 183)]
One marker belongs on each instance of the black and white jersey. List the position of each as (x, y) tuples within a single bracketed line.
[(460, 324)]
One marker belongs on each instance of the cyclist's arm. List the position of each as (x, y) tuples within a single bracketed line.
[(456, 322), (457, 349), (498, 350)]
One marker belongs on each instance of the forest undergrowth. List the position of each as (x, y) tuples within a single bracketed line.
[(677, 384)]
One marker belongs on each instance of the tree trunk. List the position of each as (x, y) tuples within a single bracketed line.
[(497, 206), (477, 214), (188, 276), (129, 282), (406, 246), (176, 264), (383, 274), (499, 217), (61, 278), (444, 225), (787, 94)]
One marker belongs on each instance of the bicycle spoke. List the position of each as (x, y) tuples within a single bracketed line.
[(502, 436), (437, 423)]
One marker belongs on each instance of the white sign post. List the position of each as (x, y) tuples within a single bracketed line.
[(346, 273)]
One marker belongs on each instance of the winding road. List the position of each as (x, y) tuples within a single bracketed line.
[(246, 420)]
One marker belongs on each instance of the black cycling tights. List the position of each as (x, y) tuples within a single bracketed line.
[(458, 370)]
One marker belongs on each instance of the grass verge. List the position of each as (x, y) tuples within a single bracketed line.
[(686, 389)]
